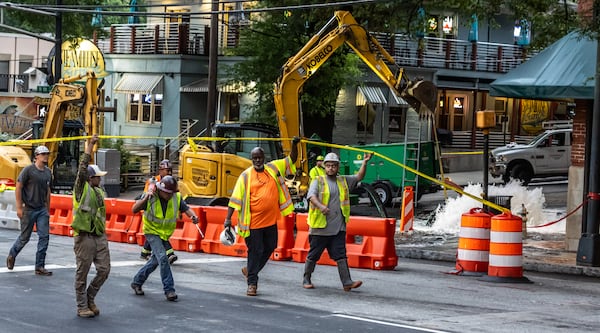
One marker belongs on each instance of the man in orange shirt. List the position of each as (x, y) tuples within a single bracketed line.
[(260, 196)]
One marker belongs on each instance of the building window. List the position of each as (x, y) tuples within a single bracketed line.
[(145, 108), (395, 120)]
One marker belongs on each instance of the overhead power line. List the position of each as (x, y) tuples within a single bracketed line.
[(93, 9)]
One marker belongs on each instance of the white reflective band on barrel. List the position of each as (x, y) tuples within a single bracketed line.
[(479, 233), (506, 261), (473, 255), (506, 237)]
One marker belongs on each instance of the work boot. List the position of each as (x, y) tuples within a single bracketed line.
[(137, 289), (344, 272), (42, 271), (171, 296), (10, 262), (309, 267), (85, 313), (145, 255), (92, 306), (172, 258), (251, 290)]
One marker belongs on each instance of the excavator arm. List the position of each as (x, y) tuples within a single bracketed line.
[(341, 29), (62, 94)]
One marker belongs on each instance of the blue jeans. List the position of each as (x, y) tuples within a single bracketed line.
[(41, 219), (159, 257)]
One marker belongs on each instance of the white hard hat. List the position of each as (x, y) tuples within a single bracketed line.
[(228, 236), (331, 157), (41, 150)]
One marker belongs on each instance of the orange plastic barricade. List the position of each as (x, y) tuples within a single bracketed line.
[(473, 243), (61, 214), (301, 245), (506, 250), (285, 238), (186, 236), (407, 214), (214, 217), (370, 243), (120, 219)]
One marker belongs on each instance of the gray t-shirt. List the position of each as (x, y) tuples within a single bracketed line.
[(36, 184), (335, 219)]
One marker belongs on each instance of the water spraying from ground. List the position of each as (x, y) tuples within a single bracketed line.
[(448, 216)]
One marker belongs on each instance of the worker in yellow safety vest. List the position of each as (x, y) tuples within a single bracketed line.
[(317, 170), (165, 168), (160, 220), (328, 214), (260, 196)]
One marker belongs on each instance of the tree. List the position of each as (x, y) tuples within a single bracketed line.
[(274, 36), (74, 24)]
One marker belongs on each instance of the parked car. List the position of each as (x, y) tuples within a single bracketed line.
[(547, 155)]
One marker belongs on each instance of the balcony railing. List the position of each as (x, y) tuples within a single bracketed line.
[(177, 38)]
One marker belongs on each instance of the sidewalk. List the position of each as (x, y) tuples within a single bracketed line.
[(541, 252)]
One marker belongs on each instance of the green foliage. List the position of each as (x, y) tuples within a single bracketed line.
[(73, 24)]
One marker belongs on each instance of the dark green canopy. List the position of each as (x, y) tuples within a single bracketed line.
[(566, 69)]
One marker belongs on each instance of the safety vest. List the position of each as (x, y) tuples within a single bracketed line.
[(316, 172), (157, 222), (88, 214), (240, 198), (316, 219)]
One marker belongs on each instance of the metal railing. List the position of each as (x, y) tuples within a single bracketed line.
[(428, 52)]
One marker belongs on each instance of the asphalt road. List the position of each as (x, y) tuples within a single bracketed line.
[(417, 296)]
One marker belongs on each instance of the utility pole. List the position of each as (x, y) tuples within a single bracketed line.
[(212, 64), (588, 251), (58, 45)]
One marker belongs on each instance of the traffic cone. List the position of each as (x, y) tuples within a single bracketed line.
[(407, 215)]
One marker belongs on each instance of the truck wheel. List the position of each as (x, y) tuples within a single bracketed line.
[(522, 172), (384, 192)]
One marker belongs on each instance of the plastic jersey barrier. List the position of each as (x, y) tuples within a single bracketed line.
[(215, 216), (61, 214), (120, 220), (8, 210), (369, 243), (186, 236)]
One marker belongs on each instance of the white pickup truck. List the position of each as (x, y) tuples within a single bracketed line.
[(547, 155)]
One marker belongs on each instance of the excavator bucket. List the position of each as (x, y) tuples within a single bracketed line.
[(422, 96)]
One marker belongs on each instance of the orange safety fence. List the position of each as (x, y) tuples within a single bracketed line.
[(369, 243), (61, 214), (186, 236)]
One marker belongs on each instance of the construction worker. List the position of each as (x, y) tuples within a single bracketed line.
[(161, 208), (317, 170), (165, 168), (260, 196), (32, 197), (89, 237), (328, 213)]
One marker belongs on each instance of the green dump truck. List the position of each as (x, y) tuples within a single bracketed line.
[(388, 178)]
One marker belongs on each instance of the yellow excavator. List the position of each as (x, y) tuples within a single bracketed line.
[(208, 174), (71, 111)]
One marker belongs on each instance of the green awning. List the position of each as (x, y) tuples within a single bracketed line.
[(566, 69)]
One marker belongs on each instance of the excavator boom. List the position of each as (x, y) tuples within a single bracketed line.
[(341, 29)]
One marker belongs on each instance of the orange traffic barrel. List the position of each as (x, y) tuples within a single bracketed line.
[(473, 243), (506, 250)]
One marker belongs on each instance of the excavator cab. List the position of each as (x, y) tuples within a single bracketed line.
[(64, 168)]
